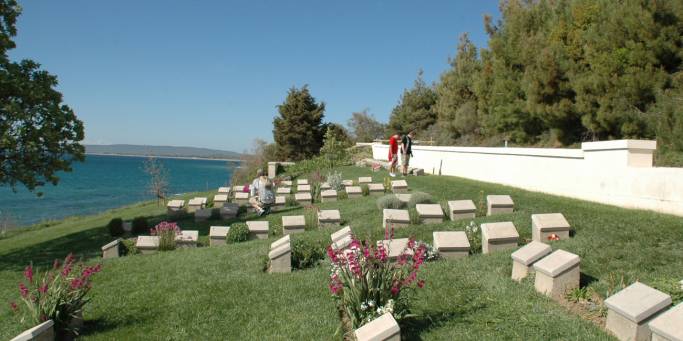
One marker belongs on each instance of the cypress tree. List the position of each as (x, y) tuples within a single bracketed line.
[(298, 131)]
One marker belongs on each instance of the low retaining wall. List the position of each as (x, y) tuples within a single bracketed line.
[(612, 172)]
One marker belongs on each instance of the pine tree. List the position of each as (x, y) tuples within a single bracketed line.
[(298, 131), (415, 109)]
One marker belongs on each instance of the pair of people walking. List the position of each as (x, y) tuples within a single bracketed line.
[(406, 152)]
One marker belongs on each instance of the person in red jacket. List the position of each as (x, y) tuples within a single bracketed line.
[(393, 153)]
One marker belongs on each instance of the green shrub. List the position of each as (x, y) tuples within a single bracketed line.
[(127, 247), (414, 217), (239, 232), (265, 263), (365, 190), (307, 254), (290, 202), (140, 225), (474, 237), (389, 201), (420, 198), (334, 179), (670, 286), (342, 195), (115, 227), (315, 191), (481, 205), (311, 217)]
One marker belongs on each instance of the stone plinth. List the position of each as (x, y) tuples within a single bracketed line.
[(286, 183), (147, 244), (383, 328), (281, 258), (499, 204), (451, 244), (347, 183), (557, 273), (342, 243), (394, 247), (630, 310), (303, 188), (364, 179), (329, 218), (218, 235), (429, 213), (283, 190), (293, 224), (187, 238), (325, 185), (302, 182), (258, 229), (498, 237), (397, 218), (219, 200), (203, 214), (282, 241), (354, 192), (175, 207), (196, 204), (303, 198), (280, 202), (224, 190), (42, 332), (241, 198), (404, 198), (329, 195), (418, 171), (346, 231), (237, 189), (461, 209), (544, 225), (667, 326), (111, 250), (524, 258), (399, 186), (272, 169), (376, 189), (229, 211)]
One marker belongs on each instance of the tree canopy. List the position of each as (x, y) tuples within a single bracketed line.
[(298, 131)]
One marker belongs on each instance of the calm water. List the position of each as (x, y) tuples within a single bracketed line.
[(104, 182)]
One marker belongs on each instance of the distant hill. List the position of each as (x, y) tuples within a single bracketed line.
[(138, 150)]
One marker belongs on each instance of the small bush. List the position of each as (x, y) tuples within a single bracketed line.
[(315, 191), (389, 201), (307, 254), (481, 205), (238, 233), (474, 236), (414, 217), (342, 195), (311, 217), (290, 202), (115, 227), (670, 286), (265, 263), (128, 247), (334, 179), (140, 225), (420, 198), (365, 190)]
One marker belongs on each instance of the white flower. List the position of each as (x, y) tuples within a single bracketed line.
[(363, 306), (371, 303)]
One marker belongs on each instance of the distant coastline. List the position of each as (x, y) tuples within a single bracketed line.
[(165, 157)]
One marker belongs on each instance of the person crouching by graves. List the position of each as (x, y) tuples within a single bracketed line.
[(262, 196), (407, 150), (393, 154)]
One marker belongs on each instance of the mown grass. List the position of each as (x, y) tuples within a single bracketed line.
[(221, 293)]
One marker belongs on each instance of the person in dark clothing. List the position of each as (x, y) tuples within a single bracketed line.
[(407, 150)]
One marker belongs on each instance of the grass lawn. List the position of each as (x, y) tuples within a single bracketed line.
[(221, 293)]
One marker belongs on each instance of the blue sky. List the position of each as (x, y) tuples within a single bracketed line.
[(210, 73)]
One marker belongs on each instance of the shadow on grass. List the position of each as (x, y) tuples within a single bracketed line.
[(586, 280), (413, 326), (99, 325)]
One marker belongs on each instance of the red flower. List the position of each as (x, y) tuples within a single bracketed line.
[(395, 290), (28, 273), (421, 283), (43, 288), (14, 307), (23, 290)]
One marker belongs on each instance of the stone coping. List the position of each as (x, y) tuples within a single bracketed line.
[(499, 232), (401, 216), (550, 222), (403, 197), (557, 262), (279, 251), (429, 210), (329, 215), (347, 182), (286, 183), (302, 182), (364, 179), (196, 201), (638, 302), (258, 226), (342, 243), (220, 198), (451, 241), (219, 232), (330, 193), (374, 187), (325, 185), (112, 244), (223, 189), (293, 221), (353, 190), (499, 200), (237, 189), (284, 190), (384, 327), (531, 252), (341, 233), (147, 242), (458, 206), (34, 332), (399, 184), (303, 188), (177, 203), (303, 196), (242, 195), (188, 236), (284, 240), (280, 200), (668, 324)]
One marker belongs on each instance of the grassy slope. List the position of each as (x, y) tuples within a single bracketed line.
[(220, 293)]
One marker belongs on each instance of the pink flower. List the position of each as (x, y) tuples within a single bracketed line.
[(421, 283), (28, 273), (66, 270), (395, 290), (23, 290), (43, 288), (553, 237), (331, 254), (14, 307), (69, 258), (76, 283), (55, 264)]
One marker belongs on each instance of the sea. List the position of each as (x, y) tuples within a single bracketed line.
[(104, 182)]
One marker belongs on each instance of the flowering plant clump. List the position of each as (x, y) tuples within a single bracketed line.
[(58, 295), (167, 233), (366, 284), (474, 236)]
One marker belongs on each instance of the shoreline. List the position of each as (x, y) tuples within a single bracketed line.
[(166, 157)]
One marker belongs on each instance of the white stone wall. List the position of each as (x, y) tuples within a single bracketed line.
[(612, 172)]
